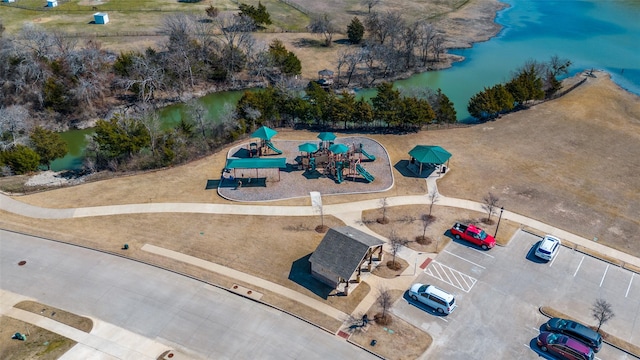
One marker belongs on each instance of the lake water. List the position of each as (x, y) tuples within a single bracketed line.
[(598, 34)]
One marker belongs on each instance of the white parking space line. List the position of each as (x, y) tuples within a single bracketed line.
[(603, 275), (578, 268), (451, 276), (461, 258), (481, 252), (629, 287), (554, 259)]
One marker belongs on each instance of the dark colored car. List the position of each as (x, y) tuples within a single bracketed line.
[(577, 331), (563, 346)]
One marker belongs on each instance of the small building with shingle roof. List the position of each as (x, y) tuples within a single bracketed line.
[(342, 253)]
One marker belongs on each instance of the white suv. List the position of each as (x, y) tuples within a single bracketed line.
[(548, 247)]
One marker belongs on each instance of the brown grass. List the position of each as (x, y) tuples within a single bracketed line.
[(405, 222), (398, 340), (606, 337), (79, 322), (40, 344)]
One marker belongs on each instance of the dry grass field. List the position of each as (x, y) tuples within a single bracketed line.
[(462, 21)]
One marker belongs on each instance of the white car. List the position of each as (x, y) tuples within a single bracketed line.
[(548, 247), (434, 297)]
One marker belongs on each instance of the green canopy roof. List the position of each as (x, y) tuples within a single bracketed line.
[(308, 147), (257, 163), (264, 133), (338, 148), (430, 154), (327, 136)]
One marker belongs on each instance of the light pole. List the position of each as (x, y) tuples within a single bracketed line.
[(415, 264), (500, 218)]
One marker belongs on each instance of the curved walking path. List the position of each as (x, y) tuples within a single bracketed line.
[(349, 211)]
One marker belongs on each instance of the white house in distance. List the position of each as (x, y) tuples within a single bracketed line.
[(52, 3), (101, 18)]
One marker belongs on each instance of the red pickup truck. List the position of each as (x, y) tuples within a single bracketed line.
[(473, 235)]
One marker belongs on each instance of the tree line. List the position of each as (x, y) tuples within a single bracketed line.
[(533, 81)]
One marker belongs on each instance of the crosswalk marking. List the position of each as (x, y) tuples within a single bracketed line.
[(445, 273)]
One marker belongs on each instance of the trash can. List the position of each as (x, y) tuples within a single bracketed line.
[(443, 170)]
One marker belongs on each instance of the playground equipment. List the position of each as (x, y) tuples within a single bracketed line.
[(365, 174), (338, 160), (366, 154), (270, 145), (339, 168)]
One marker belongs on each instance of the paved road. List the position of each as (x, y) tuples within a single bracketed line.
[(195, 318)]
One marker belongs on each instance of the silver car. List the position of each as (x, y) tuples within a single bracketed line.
[(548, 247)]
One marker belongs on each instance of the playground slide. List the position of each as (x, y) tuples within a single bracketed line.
[(270, 145), (365, 174), (339, 171), (367, 155)]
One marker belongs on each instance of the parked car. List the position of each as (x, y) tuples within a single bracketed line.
[(577, 331), (474, 235), (434, 297), (548, 247), (564, 346)]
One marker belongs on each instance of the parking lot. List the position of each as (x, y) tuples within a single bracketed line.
[(499, 292)]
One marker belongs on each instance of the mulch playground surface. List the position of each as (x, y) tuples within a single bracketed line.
[(294, 182)]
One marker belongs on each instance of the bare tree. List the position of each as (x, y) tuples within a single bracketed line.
[(384, 300), (426, 34), (235, 34), (151, 122), (349, 58), (602, 312), (13, 121), (369, 4), (490, 204), (396, 243), (198, 114), (433, 196), (383, 26), (426, 221), (438, 46), (324, 26), (384, 205)]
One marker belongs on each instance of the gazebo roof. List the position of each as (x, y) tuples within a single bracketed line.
[(264, 133), (342, 249), (325, 72), (428, 154)]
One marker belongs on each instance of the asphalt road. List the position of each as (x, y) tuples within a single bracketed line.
[(185, 314), (500, 291)]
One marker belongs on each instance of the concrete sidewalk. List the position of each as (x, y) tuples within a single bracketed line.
[(249, 279), (105, 341)]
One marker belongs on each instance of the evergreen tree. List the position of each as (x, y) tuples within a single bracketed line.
[(526, 85), (286, 61), (355, 31), (444, 110), (387, 105), (259, 15), (21, 159), (48, 145), (362, 113)]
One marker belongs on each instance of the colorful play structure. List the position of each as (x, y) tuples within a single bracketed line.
[(339, 161), (265, 146), (326, 158)]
